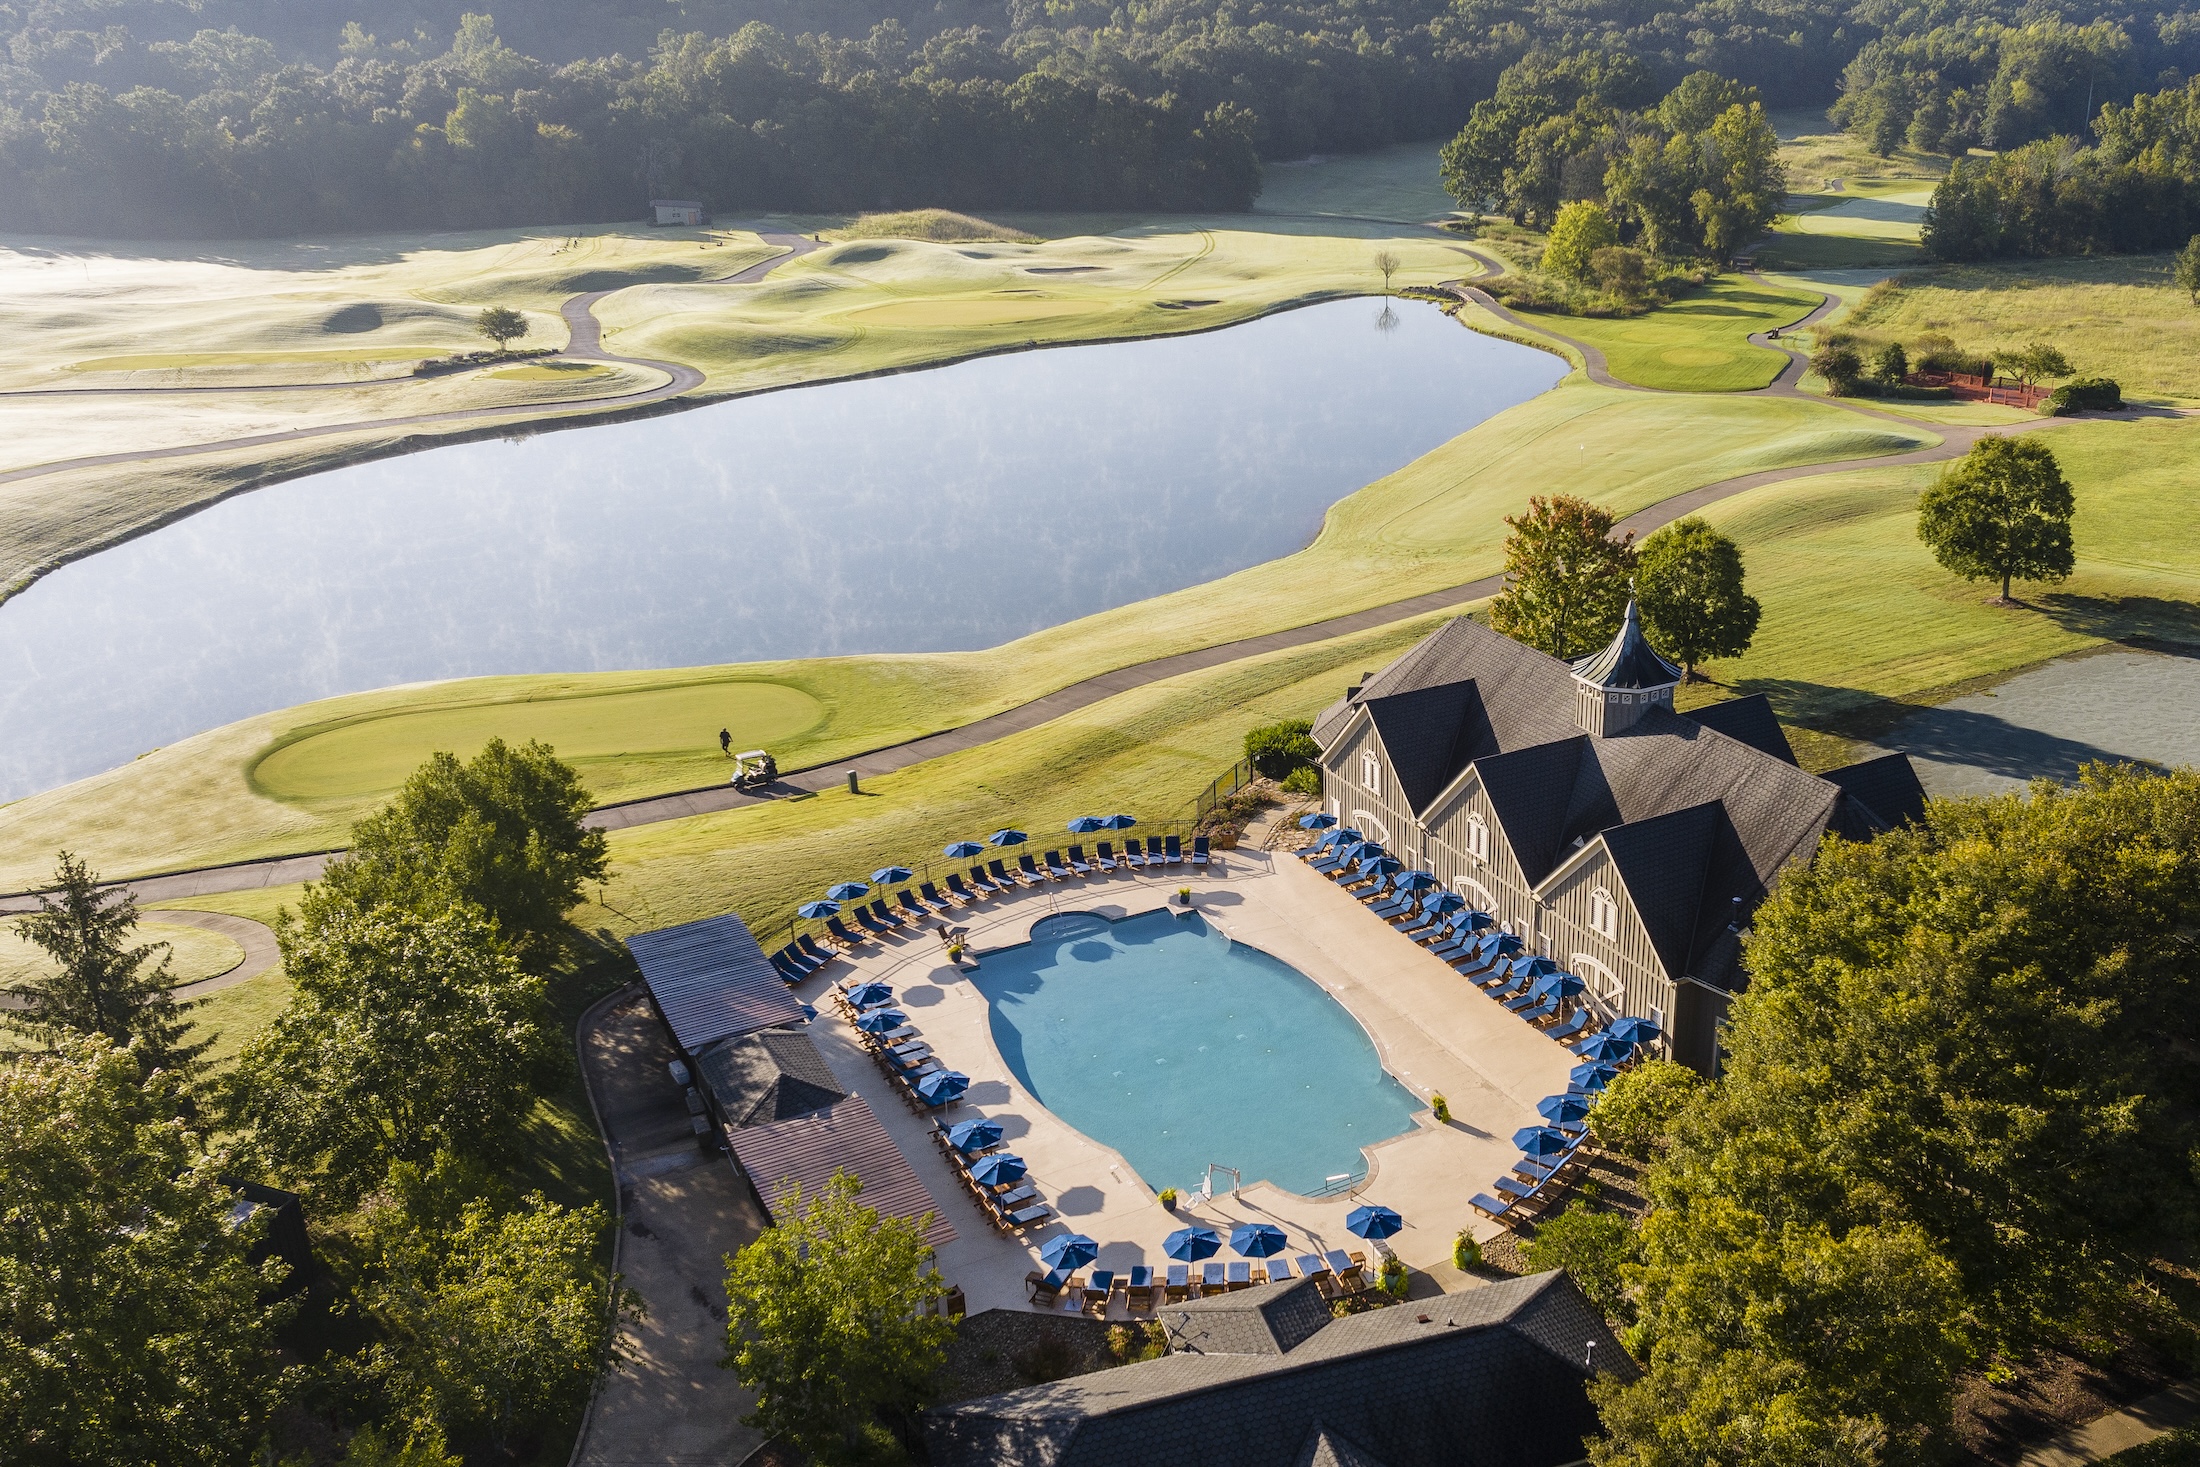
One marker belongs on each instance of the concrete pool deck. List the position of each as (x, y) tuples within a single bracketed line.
[(1433, 1030)]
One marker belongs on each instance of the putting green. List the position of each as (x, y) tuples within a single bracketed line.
[(195, 953), (971, 313), (373, 754), (1696, 356)]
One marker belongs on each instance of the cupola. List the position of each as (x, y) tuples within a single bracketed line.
[(1616, 687)]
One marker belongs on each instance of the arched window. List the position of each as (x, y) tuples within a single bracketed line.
[(1603, 914), (1478, 838), (1603, 982), (1475, 892), (1371, 772)]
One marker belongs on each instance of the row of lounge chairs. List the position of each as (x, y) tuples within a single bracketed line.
[(901, 1053), (1010, 1209), (1334, 1274), (1533, 1187)]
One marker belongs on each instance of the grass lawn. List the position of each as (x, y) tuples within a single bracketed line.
[(295, 780), (2117, 316), (1399, 183), (194, 953), (1699, 343)]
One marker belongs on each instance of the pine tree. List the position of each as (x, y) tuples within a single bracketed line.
[(106, 985)]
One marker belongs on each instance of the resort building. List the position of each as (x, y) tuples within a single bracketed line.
[(1625, 841), (1267, 1378)]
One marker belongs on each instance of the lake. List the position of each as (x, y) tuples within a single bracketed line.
[(947, 509)]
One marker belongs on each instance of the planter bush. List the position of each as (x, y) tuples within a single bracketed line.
[(2084, 395)]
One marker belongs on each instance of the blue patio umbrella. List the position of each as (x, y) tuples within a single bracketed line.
[(1372, 1222), (1605, 1049), (1503, 944), (1533, 966), (1634, 1030), (1006, 838), (1256, 1240), (1319, 820), (1591, 1076), (1557, 985), (882, 1021), (1562, 1110), (1369, 849), (1476, 921), (1437, 903), (941, 1086), (815, 910), (1119, 822), (963, 850), (1189, 1245), (870, 995), (1085, 825), (1070, 1250), (1540, 1140), (847, 891), (888, 875), (1379, 865), (1414, 880), (1342, 836), (975, 1134), (1001, 1166)]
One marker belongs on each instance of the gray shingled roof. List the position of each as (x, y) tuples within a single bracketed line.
[(1430, 735), (1325, 1448), (1512, 684), (1663, 861), (1269, 1319), (768, 1076), (1748, 721), (1496, 1373), (1886, 786), (1630, 661)]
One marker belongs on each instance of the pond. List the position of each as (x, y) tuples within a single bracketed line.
[(1161, 1037), (948, 509)]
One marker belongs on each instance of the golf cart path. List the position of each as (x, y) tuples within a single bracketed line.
[(586, 345), (257, 940)]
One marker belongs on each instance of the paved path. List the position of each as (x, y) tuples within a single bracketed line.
[(256, 938), (586, 345), (2118, 1431)]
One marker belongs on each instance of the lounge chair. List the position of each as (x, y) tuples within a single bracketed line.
[(914, 914), (1016, 1197), (1494, 1208), (1175, 856), (1133, 855), (1571, 1027), (1077, 861), (1056, 866), (1279, 1269), (1105, 858), (817, 950), (787, 975), (992, 885), (1044, 1288), (1521, 1191), (1178, 1286), (930, 896), (870, 922), (1213, 1280), (1238, 1275), (1398, 906), (998, 876), (959, 892), (1099, 1291), (1138, 1291), (1030, 1216), (1200, 857), (885, 913), (842, 935), (1545, 1009), (1027, 871)]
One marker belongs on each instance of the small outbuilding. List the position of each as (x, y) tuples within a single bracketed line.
[(679, 211)]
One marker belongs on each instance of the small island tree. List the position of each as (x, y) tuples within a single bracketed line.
[(104, 984), (1688, 582), (502, 325), (1565, 577), (2001, 511)]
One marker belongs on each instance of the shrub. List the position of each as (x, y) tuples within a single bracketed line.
[(1891, 365), (1304, 780), (1129, 1343), (1466, 1252), (1635, 1114), (1622, 271), (1277, 749), (1842, 368), (1593, 1247), (1391, 1277), (1938, 353), (2085, 395), (1581, 229), (1440, 1108)]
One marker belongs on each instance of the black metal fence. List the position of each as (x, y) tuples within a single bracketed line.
[(1220, 788)]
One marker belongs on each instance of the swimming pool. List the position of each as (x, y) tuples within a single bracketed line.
[(1159, 1036)]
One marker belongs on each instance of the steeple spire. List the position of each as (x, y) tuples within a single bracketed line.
[(1616, 687)]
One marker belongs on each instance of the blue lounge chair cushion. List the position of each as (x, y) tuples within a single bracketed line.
[(1484, 1203), (1512, 1188)]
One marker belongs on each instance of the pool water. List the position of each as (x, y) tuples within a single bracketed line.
[(1161, 1037)]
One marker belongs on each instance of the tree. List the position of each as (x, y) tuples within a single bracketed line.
[(1891, 365), (493, 1328), (2002, 510), (410, 1030), (505, 831), (1565, 577), (1842, 368), (1622, 271), (137, 1328), (2036, 360), (1581, 229), (105, 985), (1278, 748), (1747, 183), (1593, 1247), (501, 324), (1688, 583), (827, 1321), (2187, 269), (1388, 262), (1636, 1113)]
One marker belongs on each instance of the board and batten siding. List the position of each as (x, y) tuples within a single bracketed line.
[(1626, 957), (1451, 821), (1379, 813)]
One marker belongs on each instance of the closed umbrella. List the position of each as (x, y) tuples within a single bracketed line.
[(888, 875), (994, 1170), (1562, 1110), (882, 1021), (1317, 821), (1119, 822), (1372, 1222), (1256, 1240), (1086, 825), (975, 1134), (1189, 1245), (1591, 1076), (1633, 1030), (847, 891), (815, 910), (1437, 903), (870, 995), (963, 850), (1414, 880), (1006, 838), (1557, 985), (1540, 1141), (1070, 1250), (941, 1086), (1606, 1049)]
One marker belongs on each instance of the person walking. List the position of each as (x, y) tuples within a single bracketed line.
[(725, 741)]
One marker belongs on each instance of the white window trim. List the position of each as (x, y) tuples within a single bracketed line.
[(1371, 772), (1478, 838), (1606, 985), (1603, 915)]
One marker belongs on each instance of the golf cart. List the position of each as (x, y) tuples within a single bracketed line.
[(754, 770)]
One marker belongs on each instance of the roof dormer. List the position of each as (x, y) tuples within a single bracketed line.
[(1616, 687)]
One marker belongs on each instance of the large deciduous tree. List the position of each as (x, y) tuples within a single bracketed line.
[(827, 1322), (105, 984), (1565, 577), (137, 1329), (2003, 512), (1688, 582), (1581, 229), (412, 1030)]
